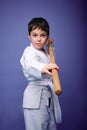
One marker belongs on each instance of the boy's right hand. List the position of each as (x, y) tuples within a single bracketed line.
[(47, 69)]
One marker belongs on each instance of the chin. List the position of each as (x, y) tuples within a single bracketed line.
[(39, 48)]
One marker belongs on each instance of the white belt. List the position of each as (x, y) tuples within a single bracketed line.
[(57, 109)]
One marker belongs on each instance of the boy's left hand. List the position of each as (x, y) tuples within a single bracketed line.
[(49, 41)]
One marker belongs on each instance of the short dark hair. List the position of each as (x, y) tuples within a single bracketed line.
[(40, 23)]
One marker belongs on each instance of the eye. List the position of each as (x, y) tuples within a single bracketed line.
[(34, 35), (43, 35)]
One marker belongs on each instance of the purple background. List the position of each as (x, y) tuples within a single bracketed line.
[(67, 19)]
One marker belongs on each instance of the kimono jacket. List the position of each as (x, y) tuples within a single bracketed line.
[(33, 61)]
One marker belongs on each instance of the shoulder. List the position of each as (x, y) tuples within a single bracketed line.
[(26, 54), (29, 51)]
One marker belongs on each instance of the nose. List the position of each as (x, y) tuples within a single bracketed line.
[(39, 38)]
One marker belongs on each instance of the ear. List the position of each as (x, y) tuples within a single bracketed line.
[(47, 39), (29, 37)]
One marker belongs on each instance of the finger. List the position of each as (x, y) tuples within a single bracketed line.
[(48, 72), (53, 66), (49, 41)]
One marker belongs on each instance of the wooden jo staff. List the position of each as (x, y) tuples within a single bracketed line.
[(56, 81)]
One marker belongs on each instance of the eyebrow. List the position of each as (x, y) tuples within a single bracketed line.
[(40, 34)]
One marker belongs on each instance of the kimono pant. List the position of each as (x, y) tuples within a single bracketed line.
[(40, 118)]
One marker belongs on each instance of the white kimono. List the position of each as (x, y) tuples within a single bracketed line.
[(32, 61)]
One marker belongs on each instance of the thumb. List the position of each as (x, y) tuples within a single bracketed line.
[(48, 72)]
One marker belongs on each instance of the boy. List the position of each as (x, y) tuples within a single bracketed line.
[(40, 104)]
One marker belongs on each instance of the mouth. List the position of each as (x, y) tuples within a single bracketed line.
[(38, 44)]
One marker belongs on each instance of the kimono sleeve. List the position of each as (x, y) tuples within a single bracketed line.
[(32, 65)]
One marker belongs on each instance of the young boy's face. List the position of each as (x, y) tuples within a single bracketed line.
[(38, 38)]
